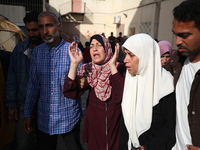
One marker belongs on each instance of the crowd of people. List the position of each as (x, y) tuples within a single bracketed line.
[(142, 95)]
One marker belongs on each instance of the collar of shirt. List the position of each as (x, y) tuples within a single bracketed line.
[(29, 50), (55, 48)]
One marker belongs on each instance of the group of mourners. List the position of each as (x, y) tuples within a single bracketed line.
[(147, 106)]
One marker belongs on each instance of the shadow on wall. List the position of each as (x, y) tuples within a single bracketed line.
[(153, 18), (145, 20), (71, 27)]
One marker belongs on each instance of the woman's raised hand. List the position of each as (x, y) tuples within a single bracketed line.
[(75, 56), (113, 60)]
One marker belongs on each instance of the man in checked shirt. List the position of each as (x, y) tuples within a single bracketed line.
[(56, 115)]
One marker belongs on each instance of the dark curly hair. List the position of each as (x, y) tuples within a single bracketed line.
[(188, 10), (31, 17)]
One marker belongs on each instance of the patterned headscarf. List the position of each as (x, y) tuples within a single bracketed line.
[(98, 75)]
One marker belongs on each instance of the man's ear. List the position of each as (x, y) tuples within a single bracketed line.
[(59, 26)]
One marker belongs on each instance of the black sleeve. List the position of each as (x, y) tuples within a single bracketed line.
[(161, 135)]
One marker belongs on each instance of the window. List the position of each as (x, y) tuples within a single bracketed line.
[(30, 5)]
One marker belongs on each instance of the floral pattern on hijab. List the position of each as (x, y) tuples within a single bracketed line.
[(98, 75)]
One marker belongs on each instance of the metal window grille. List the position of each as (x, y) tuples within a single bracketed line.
[(30, 5)]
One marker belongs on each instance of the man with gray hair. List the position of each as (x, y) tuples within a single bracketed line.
[(50, 65)]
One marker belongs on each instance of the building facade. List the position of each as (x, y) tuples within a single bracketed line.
[(85, 18)]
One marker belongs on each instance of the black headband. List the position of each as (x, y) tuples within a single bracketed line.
[(99, 39)]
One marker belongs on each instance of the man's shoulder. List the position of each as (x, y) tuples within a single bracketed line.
[(22, 43), (65, 43), (62, 44), (111, 37), (41, 47), (176, 60), (21, 46), (177, 57)]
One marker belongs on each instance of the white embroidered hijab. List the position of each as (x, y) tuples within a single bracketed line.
[(146, 88)]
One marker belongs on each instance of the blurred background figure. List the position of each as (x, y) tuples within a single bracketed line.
[(112, 39), (86, 56), (103, 34), (120, 38), (165, 51)]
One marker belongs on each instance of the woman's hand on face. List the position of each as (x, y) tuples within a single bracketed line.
[(115, 56), (75, 56), (113, 60)]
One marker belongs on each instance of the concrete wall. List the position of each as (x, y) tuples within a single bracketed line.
[(56, 6), (98, 18), (165, 21)]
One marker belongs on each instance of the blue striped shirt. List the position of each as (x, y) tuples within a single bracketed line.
[(49, 67)]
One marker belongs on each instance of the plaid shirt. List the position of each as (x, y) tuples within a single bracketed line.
[(49, 68)]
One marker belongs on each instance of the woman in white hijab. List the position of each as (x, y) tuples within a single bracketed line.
[(148, 103)]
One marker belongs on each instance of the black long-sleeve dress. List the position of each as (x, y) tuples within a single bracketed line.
[(102, 120), (161, 135)]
